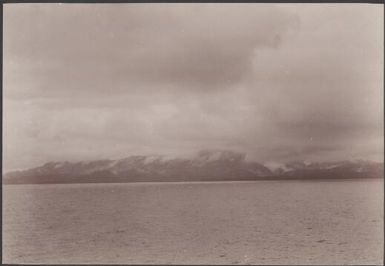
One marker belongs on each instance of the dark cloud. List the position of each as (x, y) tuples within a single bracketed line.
[(93, 48)]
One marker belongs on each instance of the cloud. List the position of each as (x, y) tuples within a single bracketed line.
[(127, 47), (278, 82)]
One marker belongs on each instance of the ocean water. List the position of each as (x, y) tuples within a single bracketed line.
[(260, 222)]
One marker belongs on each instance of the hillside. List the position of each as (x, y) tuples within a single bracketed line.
[(205, 166)]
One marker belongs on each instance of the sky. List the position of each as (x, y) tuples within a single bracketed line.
[(278, 82)]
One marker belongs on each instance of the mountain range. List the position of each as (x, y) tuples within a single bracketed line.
[(204, 166)]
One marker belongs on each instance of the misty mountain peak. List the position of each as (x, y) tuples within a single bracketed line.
[(206, 165), (219, 155)]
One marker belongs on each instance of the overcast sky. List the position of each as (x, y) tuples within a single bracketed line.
[(279, 82)]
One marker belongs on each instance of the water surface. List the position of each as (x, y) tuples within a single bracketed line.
[(261, 222)]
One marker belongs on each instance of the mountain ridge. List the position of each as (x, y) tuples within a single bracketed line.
[(206, 165)]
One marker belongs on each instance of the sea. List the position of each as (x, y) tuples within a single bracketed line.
[(250, 222)]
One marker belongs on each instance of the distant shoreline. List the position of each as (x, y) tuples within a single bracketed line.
[(206, 182)]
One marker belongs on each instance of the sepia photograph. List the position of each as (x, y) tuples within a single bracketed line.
[(193, 133)]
